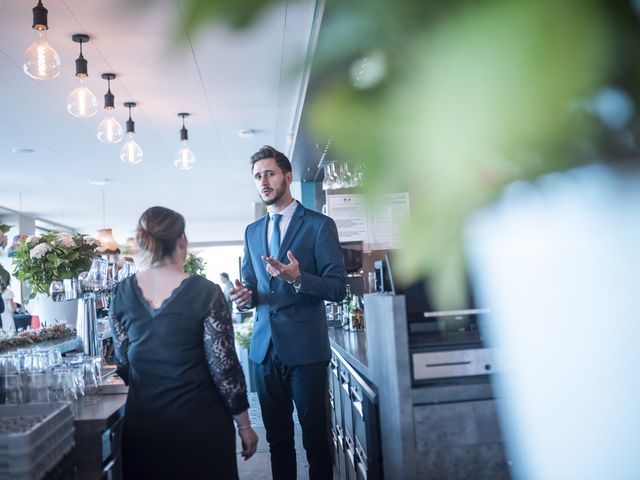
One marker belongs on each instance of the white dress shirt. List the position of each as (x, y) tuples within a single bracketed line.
[(287, 214)]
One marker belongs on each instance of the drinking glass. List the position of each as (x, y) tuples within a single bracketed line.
[(371, 282), (70, 288), (92, 374), (56, 291), (327, 181), (98, 276), (12, 387), (56, 386), (10, 382), (37, 386), (128, 269), (344, 176)]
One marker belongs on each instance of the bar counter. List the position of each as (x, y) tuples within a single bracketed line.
[(98, 425), (352, 346)]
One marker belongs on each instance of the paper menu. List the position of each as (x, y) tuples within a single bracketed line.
[(377, 226)]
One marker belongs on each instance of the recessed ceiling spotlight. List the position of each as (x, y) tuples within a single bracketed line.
[(22, 151), (248, 133), (99, 182)]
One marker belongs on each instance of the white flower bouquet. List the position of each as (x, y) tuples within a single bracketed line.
[(243, 333), (41, 259)]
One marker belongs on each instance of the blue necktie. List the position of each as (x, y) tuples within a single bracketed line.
[(274, 245)]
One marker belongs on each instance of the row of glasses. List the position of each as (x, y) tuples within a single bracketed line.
[(44, 375), (128, 269), (101, 276), (342, 175)]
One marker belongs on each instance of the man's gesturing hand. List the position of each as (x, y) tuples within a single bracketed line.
[(241, 295), (290, 272)]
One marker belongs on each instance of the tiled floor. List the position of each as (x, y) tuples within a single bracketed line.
[(258, 467)]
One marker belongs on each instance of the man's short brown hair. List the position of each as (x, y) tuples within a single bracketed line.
[(270, 152)]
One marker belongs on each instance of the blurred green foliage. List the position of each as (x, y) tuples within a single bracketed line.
[(453, 100), (194, 265)]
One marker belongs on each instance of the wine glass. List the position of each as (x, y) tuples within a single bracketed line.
[(128, 269), (97, 278), (56, 291)]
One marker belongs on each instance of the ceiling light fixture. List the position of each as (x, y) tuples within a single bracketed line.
[(185, 157), (109, 129), (41, 61), (81, 102), (108, 244), (246, 133), (22, 151), (131, 153)]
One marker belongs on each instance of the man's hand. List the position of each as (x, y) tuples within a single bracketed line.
[(289, 273), (241, 295)]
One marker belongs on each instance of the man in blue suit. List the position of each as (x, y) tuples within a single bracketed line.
[(292, 263)]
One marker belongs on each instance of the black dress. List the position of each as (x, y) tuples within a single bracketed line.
[(185, 382)]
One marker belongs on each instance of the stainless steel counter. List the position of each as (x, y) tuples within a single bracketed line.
[(353, 347)]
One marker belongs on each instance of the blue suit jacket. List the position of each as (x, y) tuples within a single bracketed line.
[(294, 321)]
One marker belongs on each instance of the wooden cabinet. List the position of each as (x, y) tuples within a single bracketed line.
[(98, 432)]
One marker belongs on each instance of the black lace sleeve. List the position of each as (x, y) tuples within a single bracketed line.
[(120, 343), (221, 355)]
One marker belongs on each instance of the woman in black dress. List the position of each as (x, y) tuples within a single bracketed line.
[(174, 348)]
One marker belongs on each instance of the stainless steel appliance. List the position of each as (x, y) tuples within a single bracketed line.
[(448, 344)]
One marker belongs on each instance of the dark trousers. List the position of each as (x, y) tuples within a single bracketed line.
[(279, 386)]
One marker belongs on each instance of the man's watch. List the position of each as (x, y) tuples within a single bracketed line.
[(296, 281)]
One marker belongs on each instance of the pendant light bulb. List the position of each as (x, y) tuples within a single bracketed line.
[(109, 130), (81, 102), (184, 157), (41, 61), (131, 153)]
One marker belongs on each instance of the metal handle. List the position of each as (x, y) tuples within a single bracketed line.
[(357, 401), (109, 467), (344, 381), (348, 450)]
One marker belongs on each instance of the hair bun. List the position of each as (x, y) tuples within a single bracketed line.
[(159, 229)]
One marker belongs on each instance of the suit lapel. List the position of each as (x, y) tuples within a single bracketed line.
[(294, 225), (262, 236)]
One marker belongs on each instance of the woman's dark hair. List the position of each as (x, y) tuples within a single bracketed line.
[(159, 229), (270, 152)]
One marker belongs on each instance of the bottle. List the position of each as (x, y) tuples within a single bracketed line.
[(347, 305), (357, 324)]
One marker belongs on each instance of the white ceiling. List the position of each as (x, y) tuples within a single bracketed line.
[(227, 80)]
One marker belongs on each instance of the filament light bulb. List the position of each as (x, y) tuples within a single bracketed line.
[(81, 102), (41, 61), (109, 130), (131, 153), (185, 157)]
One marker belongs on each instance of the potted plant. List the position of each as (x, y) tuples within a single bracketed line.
[(41, 259)]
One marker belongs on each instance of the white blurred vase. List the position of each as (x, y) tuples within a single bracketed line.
[(558, 262), (51, 312)]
